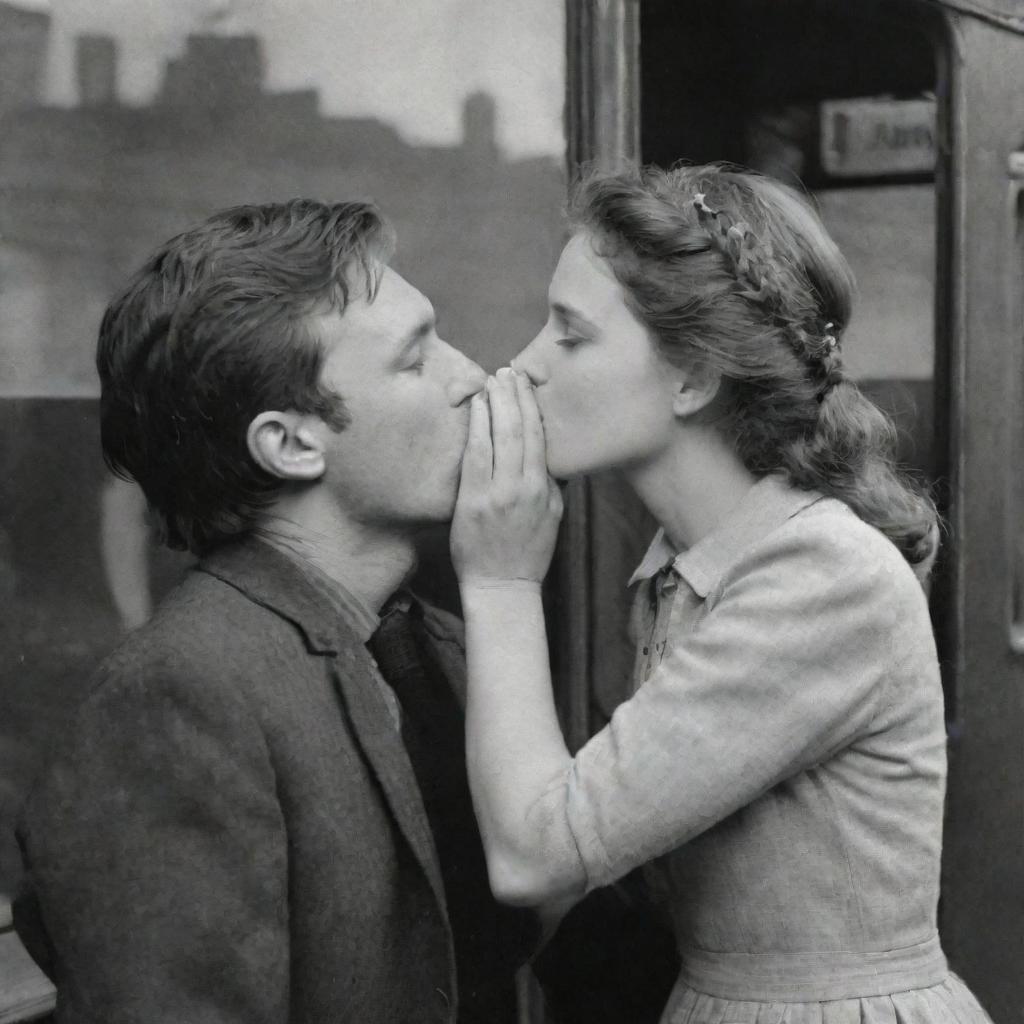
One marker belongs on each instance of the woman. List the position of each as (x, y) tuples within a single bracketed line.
[(781, 764)]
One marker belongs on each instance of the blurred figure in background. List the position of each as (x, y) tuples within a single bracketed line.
[(125, 538)]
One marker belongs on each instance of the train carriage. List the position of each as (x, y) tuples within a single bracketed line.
[(905, 121)]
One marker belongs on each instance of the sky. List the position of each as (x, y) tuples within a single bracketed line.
[(408, 62)]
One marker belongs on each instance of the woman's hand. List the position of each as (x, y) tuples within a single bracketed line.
[(508, 508), (503, 534)]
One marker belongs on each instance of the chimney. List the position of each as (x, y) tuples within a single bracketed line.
[(24, 38), (96, 64), (479, 134)]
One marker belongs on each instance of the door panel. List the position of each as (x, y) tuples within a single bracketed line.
[(983, 880)]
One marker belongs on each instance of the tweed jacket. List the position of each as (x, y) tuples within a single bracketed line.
[(231, 831)]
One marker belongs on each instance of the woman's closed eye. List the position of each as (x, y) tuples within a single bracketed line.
[(569, 341)]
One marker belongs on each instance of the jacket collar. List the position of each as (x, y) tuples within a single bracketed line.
[(273, 580), (764, 508)]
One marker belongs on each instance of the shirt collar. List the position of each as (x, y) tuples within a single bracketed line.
[(657, 557), (766, 506), (356, 614)]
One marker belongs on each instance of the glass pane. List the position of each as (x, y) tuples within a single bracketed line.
[(125, 122), (888, 235)]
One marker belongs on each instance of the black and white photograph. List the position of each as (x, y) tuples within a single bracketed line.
[(512, 512)]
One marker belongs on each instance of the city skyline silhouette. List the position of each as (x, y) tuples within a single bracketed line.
[(87, 191)]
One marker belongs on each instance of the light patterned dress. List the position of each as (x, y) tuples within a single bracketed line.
[(781, 769)]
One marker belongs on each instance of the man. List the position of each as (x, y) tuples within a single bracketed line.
[(244, 821)]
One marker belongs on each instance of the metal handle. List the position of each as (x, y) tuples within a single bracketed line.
[(1015, 477)]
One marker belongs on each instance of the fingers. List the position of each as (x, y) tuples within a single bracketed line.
[(506, 427), (478, 459), (535, 466), (555, 500)]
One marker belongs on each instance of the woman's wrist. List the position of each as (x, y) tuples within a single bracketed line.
[(489, 584), (503, 610)]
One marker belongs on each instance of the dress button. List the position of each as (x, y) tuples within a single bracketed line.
[(647, 650)]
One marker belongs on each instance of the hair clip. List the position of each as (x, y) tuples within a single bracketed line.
[(830, 341), (702, 206)]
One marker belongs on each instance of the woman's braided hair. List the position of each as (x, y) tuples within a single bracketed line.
[(734, 274), (758, 281)]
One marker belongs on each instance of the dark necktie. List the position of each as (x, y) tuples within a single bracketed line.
[(490, 940)]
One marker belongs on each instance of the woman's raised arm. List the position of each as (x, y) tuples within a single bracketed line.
[(503, 536)]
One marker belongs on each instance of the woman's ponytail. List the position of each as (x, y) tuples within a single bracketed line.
[(850, 455)]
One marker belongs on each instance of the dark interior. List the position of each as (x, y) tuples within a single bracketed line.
[(707, 81)]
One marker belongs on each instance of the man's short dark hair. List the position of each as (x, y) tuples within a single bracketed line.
[(214, 330)]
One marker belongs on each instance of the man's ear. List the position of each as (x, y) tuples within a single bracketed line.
[(287, 445), (695, 390)]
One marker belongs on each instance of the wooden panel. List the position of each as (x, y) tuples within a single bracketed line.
[(603, 102), (983, 884)]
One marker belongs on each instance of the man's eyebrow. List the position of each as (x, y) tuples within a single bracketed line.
[(427, 324), (572, 317)]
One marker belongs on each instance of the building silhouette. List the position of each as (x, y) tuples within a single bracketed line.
[(89, 190), (23, 39)]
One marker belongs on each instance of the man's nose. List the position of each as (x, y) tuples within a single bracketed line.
[(467, 380)]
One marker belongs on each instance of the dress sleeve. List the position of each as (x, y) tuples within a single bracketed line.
[(157, 848), (785, 669)]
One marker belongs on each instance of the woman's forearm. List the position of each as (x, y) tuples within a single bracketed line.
[(516, 756)]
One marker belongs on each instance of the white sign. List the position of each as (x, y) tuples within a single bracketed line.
[(872, 137)]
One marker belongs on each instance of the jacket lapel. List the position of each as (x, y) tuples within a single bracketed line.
[(359, 683), (274, 580)]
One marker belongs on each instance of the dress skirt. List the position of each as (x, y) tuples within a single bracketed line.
[(912, 985), (949, 1002)]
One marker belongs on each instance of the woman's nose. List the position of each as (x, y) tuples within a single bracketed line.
[(528, 363)]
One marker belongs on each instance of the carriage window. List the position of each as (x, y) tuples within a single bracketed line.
[(124, 123), (841, 101)]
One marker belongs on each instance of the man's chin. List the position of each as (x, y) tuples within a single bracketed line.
[(563, 472), (448, 512), (440, 513)]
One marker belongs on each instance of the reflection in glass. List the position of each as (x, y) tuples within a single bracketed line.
[(888, 235)]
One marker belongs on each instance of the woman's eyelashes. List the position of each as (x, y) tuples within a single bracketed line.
[(569, 341)]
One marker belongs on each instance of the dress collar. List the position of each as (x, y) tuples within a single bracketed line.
[(766, 506)]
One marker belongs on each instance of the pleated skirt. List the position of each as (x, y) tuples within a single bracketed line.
[(948, 1002)]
